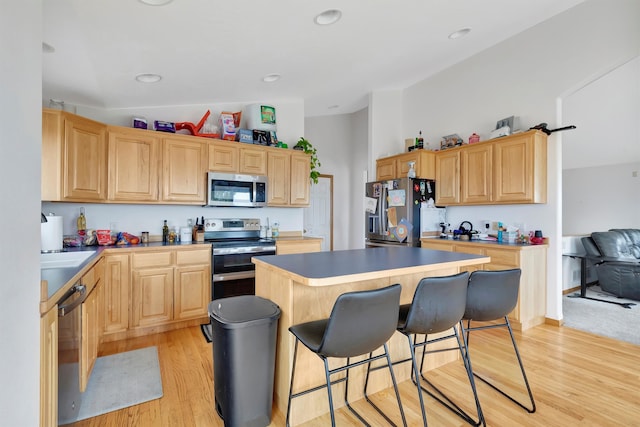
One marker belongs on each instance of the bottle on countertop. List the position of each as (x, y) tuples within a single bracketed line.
[(165, 232), (81, 223)]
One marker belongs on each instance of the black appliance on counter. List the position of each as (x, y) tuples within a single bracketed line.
[(393, 211), (234, 242)]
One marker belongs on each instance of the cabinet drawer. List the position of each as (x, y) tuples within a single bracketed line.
[(202, 256), (151, 259), (92, 277), (504, 257), (470, 250), (437, 246)]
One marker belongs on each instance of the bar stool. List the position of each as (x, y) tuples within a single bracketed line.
[(438, 305), (360, 322), (491, 296)]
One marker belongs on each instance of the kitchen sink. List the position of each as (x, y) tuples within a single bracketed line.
[(64, 259)]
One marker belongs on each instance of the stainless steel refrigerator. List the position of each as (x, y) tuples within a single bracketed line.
[(393, 211)]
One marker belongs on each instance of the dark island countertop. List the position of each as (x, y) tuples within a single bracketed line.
[(327, 268)]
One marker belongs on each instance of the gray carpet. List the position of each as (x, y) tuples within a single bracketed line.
[(600, 318), (119, 381)]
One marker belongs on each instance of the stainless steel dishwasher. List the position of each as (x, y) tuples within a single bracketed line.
[(69, 339)]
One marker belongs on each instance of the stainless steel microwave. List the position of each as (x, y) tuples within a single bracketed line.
[(229, 189)]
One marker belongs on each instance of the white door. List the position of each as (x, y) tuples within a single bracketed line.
[(318, 216)]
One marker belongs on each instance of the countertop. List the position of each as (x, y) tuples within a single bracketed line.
[(326, 268), (53, 280), (480, 242)]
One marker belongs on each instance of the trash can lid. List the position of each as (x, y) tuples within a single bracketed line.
[(242, 309)]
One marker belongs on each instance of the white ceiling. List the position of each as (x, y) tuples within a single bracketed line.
[(210, 51)]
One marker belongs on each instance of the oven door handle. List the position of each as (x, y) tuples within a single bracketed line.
[(267, 250), (234, 276)]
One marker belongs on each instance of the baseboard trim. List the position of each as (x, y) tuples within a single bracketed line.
[(553, 322)]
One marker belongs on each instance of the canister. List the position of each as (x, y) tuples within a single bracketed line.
[(185, 234)]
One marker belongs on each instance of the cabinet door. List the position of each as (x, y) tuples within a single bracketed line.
[(279, 167), (402, 164), (90, 340), (192, 292), (151, 296), (133, 166), (49, 368), (447, 178), (51, 164), (520, 169), (84, 160), (183, 177), (116, 294), (223, 157), (476, 173), (385, 168), (299, 179), (253, 161)]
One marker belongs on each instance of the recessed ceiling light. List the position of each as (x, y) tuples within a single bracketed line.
[(460, 33), (328, 17), (148, 78), (47, 48), (270, 78), (155, 2)]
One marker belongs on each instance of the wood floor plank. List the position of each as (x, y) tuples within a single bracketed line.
[(577, 379)]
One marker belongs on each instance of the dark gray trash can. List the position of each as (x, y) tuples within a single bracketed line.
[(244, 330)]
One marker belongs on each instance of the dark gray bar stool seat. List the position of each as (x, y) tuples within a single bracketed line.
[(491, 296), (360, 323)]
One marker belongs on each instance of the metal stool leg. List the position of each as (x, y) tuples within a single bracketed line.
[(466, 333)]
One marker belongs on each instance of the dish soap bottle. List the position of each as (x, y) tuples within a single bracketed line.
[(81, 223), (165, 232), (412, 172)]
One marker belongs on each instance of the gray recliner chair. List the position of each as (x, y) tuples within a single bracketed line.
[(616, 256)]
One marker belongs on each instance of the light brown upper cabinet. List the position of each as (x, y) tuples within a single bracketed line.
[(133, 165), (234, 157), (507, 170), (253, 160), (398, 166), (183, 170), (476, 174), (289, 182), (520, 173), (448, 178), (223, 156), (74, 152)]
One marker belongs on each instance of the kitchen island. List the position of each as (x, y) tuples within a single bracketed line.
[(306, 286)]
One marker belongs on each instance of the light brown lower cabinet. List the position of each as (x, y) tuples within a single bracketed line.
[(115, 297), (532, 261), (49, 368), (169, 285)]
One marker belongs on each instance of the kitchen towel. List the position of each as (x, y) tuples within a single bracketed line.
[(51, 234)]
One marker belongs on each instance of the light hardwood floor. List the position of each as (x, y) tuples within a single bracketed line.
[(578, 379)]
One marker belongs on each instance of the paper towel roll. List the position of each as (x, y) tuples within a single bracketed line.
[(51, 234)]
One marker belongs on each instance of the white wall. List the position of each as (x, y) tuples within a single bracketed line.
[(358, 166), (289, 115), (338, 144), (20, 119), (524, 76), (600, 198), (136, 218)]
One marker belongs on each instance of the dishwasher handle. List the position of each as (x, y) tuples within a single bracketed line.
[(65, 309)]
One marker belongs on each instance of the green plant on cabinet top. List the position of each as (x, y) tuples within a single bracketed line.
[(305, 146)]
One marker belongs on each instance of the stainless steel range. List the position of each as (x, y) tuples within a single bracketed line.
[(234, 242)]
